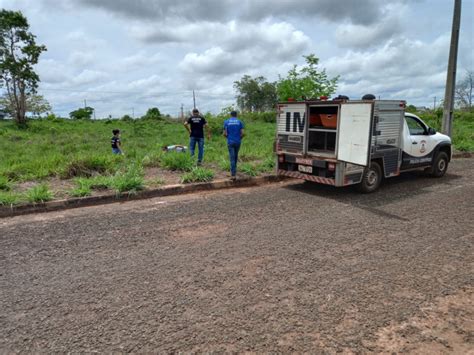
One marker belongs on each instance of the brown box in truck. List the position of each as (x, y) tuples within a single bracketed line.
[(329, 120)]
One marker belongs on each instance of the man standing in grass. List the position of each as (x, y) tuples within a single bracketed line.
[(234, 132), (115, 141), (195, 126)]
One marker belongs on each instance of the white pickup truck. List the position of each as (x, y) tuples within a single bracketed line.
[(343, 142)]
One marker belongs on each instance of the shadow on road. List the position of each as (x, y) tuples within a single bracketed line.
[(406, 186)]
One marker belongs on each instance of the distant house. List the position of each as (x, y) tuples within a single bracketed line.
[(422, 108)]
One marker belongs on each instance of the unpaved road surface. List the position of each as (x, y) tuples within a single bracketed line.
[(284, 267)]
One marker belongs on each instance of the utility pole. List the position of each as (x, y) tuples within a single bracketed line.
[(85, 103), (451, 76), (133, 112), (194, 100), (182, 112), (434, 103)]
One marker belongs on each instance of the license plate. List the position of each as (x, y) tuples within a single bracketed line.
[(304, 161), (305, 169)]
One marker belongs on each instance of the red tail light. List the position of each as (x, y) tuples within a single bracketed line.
[(281, 158), (331, 166)]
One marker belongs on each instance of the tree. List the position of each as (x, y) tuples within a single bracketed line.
[(35, 104), (18, 53), (464, 91), (153, 114), (255, 94), (307, 82), (83, 113)]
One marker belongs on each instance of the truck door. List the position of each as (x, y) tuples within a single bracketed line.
[(354, 133), (291, 127), (418, 146)]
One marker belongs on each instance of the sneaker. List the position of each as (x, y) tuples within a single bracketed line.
[(233, 178), (199, 163)]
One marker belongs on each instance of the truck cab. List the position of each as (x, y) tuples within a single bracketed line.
[(341, 142)]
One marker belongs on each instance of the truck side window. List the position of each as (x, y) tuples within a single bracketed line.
[(415, 127)]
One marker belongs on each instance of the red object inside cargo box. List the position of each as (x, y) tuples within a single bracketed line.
[(314, 119), (329, 120)]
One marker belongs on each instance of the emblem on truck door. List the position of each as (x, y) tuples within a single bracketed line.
[(423, 146)]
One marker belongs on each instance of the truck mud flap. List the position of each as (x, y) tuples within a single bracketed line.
[(313, 178)]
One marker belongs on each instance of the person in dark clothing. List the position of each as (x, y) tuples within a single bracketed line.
[(115, 141), (195, 125), (234, 132)]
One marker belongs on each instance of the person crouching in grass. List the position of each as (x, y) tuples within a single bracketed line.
[(115, 141)]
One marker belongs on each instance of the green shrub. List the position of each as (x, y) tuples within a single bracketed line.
[(5, 183), (224, 164), (197, 174), (9, 198), (152, 159), (89, 166), (269, 117), (130, 180), (177, 161), (248, 169), (267, 166), (39, 193), (80, 191)]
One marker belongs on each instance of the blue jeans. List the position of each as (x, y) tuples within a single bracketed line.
[(116, 151), (233, 156), (192, 146)]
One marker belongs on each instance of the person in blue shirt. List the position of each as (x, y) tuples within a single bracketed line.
[(234, 132)]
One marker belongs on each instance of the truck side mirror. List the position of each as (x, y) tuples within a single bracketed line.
[(431, 131)]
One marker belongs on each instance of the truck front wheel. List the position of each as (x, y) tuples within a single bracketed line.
[(371, 179), (440, 165)]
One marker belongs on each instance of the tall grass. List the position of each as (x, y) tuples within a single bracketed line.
[(8, 198), (177, 161), (5, 183), (197, 174), (129, 180), (39, 193)]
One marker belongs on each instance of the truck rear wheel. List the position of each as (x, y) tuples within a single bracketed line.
[(371, 179), (440, 165)]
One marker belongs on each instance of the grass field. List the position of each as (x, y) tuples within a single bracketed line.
[(79, 151), (51, 152)]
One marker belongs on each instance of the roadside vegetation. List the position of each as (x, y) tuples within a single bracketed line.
[(49, 150), (54, 149)]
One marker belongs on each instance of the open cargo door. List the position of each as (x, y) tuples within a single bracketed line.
[(354, 133)]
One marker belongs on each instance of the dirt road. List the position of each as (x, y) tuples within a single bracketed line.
[(284, 267)]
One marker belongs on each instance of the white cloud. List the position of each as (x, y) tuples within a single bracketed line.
[(401, 69), (359, 36), (88, 77), (246, 48), (80, 59), (119, 54)]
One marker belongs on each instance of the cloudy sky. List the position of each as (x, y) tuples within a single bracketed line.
[(125, 56)]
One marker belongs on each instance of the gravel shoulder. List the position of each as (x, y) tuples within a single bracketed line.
[(287, 267)]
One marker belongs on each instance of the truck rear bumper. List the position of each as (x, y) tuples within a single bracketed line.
[(308, 177)]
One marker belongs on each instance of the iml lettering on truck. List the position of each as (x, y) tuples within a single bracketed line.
[(298, 122)]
